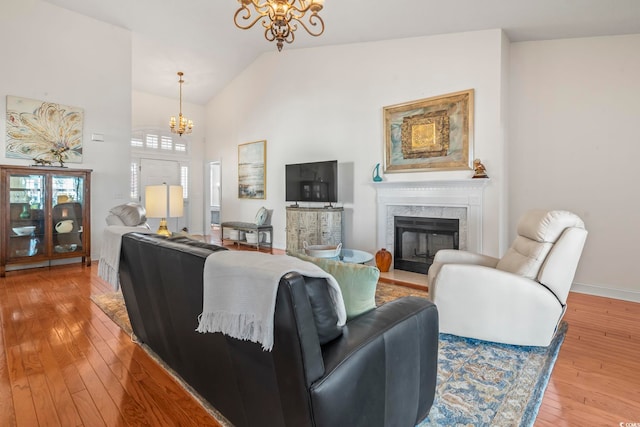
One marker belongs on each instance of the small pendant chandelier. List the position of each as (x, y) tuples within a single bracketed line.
[(183, 125)]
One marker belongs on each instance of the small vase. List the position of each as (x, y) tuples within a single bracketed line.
[(25, 214), (376, 174), (383, 260)]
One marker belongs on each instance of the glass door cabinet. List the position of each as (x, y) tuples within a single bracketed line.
[(45, 215)]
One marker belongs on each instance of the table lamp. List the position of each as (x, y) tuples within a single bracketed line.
[(163, 201)]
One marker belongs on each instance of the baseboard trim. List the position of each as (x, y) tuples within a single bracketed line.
[(621, 294)]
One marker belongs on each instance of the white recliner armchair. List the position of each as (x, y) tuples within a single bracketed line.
[(518, 299)]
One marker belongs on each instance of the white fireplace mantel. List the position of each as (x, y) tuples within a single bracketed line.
[(424, 196)]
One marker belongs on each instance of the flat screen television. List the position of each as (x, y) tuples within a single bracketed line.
[(312, 182)]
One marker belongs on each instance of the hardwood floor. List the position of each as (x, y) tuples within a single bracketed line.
[(64, 362), (596, 379)]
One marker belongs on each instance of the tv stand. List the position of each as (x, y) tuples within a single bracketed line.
[(316, 226)]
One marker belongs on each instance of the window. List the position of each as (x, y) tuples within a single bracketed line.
[(152, 141), (180, 146), (159, 144), (135, 168), (166, 143), (184, 181)]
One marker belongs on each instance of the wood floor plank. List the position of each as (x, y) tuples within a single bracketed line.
[(7, 412), (87, 409), (132, 411), (107, 408), (43, 403), (22, 400), (60, 393)]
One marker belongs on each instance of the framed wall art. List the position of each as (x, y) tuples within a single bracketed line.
[(43, 130), (429, 134), (252, 167)]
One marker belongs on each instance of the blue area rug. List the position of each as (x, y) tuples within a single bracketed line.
[(489, 384)]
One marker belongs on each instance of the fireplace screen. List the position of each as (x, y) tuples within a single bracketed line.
[(418, 239)]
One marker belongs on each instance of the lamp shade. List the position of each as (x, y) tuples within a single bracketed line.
[(176, 202), (163, 201), (155, 201)]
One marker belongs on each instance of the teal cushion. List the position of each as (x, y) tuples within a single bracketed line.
[(357, 282)]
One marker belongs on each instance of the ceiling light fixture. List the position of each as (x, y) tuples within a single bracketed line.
[(184, 125), (280, 18)]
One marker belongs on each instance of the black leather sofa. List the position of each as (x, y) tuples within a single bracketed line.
[(380, 371)]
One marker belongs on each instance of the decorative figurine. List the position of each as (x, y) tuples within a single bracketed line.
[(42, 162), (479, 169), (57, 153)]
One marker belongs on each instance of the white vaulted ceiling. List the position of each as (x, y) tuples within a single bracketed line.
[(200, 38)]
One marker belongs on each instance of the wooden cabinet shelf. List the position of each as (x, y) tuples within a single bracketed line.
[(46, 215)]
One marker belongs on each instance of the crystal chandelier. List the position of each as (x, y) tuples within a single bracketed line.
[(183, 125), (280, 18)]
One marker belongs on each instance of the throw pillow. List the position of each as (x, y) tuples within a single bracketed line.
[(358, 283), (261, 216), (324, 313), (131, 214)]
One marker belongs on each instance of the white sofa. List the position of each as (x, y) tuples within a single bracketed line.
[(518, 299), (122, 219)]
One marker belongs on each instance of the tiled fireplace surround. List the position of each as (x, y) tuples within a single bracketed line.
[(461, 199)]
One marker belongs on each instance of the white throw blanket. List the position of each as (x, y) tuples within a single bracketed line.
[(240, 288), (110, 252)]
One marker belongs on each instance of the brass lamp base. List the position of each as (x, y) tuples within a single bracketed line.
[(163, 230)]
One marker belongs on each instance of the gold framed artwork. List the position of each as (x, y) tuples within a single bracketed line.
[(429, 134), (43, 131), (252, 168)]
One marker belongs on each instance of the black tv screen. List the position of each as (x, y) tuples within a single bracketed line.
[(312, 182)]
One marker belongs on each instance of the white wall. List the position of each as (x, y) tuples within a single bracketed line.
[(574, 144), (153, 112), (55, 55), (326, 103)]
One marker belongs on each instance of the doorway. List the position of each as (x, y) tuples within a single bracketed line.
[(213, 196)]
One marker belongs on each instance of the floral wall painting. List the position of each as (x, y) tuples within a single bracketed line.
[(252, 166), (430, 134), (43, 131)]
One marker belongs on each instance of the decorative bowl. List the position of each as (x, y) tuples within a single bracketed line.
[(322, 251), (65, 248), (26, 252), (24, 231)]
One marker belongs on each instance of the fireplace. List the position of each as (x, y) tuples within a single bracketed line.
[(417, 239), (457, 199)]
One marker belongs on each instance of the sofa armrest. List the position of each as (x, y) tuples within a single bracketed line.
[(452, 256), (358, 389)]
